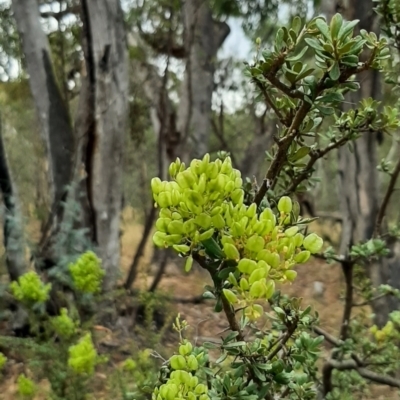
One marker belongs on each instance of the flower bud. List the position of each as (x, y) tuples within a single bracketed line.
[(257, 290), (302, 257), (290, 275), (188, 263), (178, 362), (192, 363), (244, 284), (181, 248), (206, 235), (246, 266), (156, 185), (290, 232), (159, 239), (218, 221), (230, 296), (257, 275), (313, 243), (255, 243), (285, 205), (231, 252)]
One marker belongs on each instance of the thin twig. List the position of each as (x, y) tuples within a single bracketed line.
[(230, 315), (385, 202), (347, 268)]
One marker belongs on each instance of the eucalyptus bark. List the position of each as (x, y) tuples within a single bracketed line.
[(203, 36), (110, 84)]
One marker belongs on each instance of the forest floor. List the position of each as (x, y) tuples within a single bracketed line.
[(318, 283)]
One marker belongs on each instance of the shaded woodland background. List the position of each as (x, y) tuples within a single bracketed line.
[(98, 97)]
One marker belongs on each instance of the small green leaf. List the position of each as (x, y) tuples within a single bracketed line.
[(346, 29), (323, 28), (336, 24), (334, 73), (300, 153), (298, 56), (314, 43), (296, 24)]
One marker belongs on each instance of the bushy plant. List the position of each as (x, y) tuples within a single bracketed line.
[(63, 350), (250, 240)]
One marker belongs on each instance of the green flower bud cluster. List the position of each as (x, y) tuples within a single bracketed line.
[(387, 332), (191, 204), (26, 387), (87, 273), (206, 200), (83, 356), (64, 325), (3, 360), (183, 383), (30, 289)]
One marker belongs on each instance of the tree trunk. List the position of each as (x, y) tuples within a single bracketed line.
[(203, 36), (359, 181), (12, 232), (108, 74), (52, 112)]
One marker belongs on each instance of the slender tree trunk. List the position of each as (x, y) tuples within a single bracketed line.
[(12, 232), (109, 77), (52, 112), (203, 36), (359, 181)]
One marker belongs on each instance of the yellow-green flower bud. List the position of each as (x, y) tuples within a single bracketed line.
[(244, 284), (164, 199), (176, 227), (257, 275), (290, 232), (285, 205), (268, 215), (156, 185), (206, 235), (237, 196), (290, 275), (201, 388), (178, 362), (271, 259), (230, 296), (302, 257), (181, 248), (298, 239), (255, 243), (257, 290), (269, 289), (188, 263), (159, 239), (192, 363), (313, 243), (231, 252), (246, 266), (203, 220), (218, 221)]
